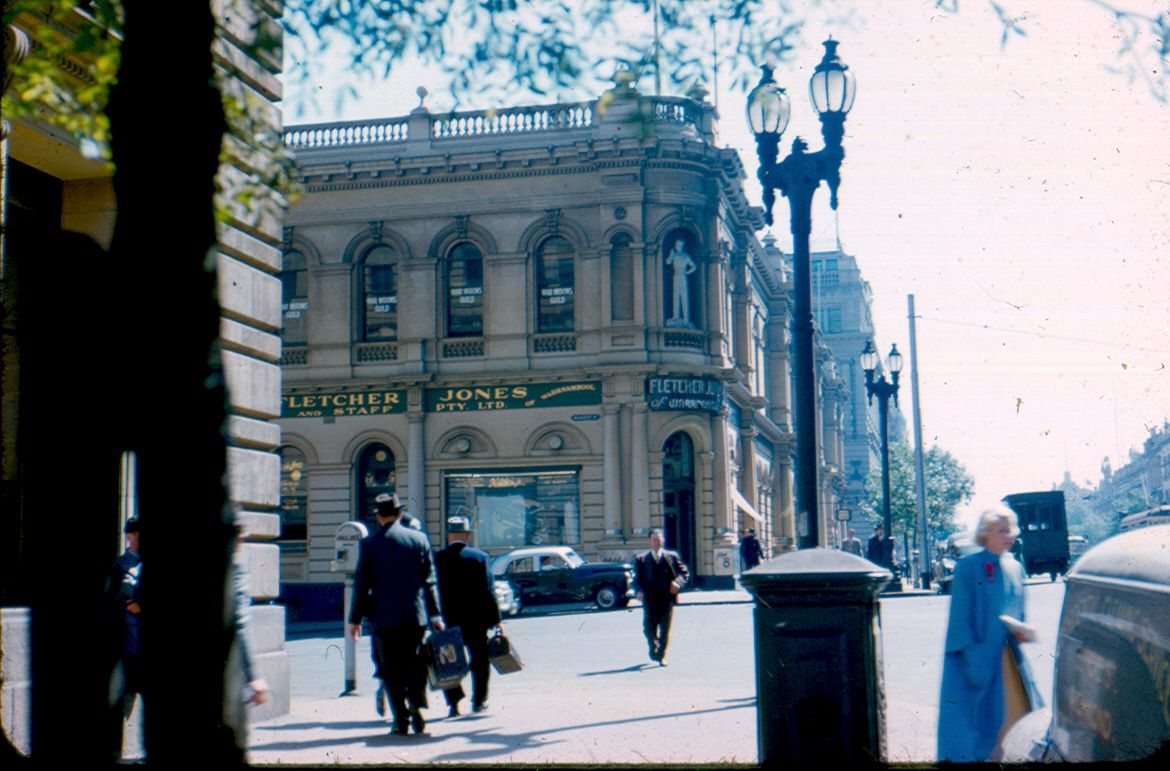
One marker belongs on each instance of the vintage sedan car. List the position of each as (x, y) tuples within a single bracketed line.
[(1111, 686), (958, 545), (507, 597), (548, 574)]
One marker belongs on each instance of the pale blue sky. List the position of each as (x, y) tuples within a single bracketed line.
[(1022, 194)]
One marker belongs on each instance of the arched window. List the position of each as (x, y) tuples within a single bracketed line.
[(375, 475), (294, 299), (379, 291), (554, 286), (464, 271), (621, 278), (294, 498)]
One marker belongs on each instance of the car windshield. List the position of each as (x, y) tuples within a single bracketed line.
[(574, 559)]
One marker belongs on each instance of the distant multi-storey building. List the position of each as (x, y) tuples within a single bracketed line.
[(842, 304), (1138, 492)]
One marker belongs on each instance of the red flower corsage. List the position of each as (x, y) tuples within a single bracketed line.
[(989, 569)]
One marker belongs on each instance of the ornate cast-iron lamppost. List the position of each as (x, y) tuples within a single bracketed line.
[(883, 390), (832, 88)]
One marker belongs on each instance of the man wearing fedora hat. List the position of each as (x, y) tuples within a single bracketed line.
[(465, 584), (396, 568), (406, 520)]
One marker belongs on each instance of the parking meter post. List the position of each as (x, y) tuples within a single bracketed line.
[(350, 643), (347, 541), (819, 691)]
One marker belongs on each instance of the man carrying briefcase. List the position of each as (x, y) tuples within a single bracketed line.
[(465, 586)]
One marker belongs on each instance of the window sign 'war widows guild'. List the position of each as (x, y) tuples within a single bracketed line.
[(674, 392)]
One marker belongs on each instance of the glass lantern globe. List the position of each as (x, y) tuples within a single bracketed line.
[(832, 86), (894, 360), (869, 357), (768, 107)]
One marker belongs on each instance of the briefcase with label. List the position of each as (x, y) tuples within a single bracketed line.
[(446, 658), (502, 654)]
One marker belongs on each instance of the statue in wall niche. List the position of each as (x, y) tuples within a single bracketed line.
[(682, 266)]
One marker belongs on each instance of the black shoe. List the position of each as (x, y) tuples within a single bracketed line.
[(483, 705), (453, 711), (380, 701), (417, 723), (400, 729)]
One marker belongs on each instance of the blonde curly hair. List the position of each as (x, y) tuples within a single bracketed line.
[(992, 516)]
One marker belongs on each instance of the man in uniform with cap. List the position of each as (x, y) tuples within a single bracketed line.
[(465, 584), (395, 565)]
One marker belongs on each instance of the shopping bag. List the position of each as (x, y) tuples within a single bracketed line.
[(446, 658), (502, 654)]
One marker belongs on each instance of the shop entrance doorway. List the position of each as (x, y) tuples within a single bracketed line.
[(678, 497)]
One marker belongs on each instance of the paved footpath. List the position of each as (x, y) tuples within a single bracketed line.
[(586, 695)]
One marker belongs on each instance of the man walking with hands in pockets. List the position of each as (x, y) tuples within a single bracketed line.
[(660, 575)]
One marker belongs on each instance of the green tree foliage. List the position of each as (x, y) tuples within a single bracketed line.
[(1084, 519), (70, 59), (507, 48), (948, 485)]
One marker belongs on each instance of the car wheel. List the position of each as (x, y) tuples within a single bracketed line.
[(606, 597)]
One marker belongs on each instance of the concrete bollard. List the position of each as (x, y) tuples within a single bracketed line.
[(819, 692)]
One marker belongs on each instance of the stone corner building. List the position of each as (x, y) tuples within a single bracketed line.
[(555, 320)]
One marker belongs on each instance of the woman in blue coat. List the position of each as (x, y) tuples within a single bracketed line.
[(982, 692)]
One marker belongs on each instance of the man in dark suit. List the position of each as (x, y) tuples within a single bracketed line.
[(660, 575), (750, 550), (395, 566), (406, 519), (465, 584), (122, 595), (875, 548)]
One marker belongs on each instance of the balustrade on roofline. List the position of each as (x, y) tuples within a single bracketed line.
[(477, 123), (347, 134)]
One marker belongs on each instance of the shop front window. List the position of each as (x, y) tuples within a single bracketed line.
[(520, 508), (375, 475)]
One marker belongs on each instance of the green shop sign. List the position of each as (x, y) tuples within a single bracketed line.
[(512, 397), (343, 403)]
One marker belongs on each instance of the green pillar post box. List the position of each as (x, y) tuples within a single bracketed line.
[(819, 692)]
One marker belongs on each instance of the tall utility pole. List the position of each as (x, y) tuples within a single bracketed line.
[(919, 465), (657, 55)]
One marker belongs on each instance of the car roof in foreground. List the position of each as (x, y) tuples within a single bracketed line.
[(1138, 555), (530, 550)]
